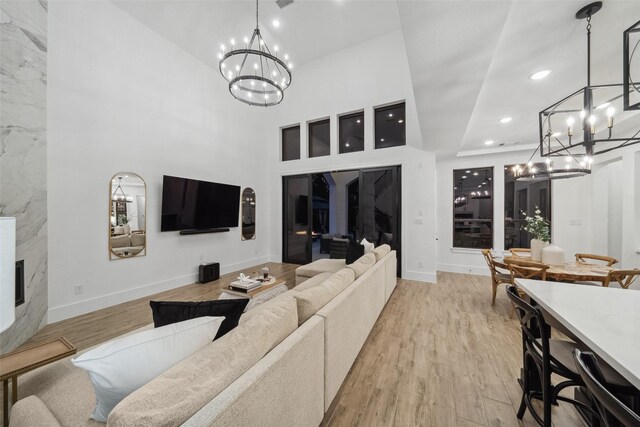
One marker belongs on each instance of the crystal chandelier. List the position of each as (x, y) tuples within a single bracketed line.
[(256, 76), (573, 127)]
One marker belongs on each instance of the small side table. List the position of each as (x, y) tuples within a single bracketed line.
[(27, 359), (258, 296)]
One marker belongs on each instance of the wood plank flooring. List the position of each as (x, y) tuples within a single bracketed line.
[(439, 355)]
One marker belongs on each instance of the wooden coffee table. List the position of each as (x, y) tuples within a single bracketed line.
[(27, 359), (257, 296)]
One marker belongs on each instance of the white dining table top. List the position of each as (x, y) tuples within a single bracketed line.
[(607, 320)]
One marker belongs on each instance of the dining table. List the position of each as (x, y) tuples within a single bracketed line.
[(570, 271)]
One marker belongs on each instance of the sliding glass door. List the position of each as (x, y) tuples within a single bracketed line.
[(353, 204), (297, 219)]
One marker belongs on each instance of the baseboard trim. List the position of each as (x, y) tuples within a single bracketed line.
[(420, 276), (464, 269), (63, 312)]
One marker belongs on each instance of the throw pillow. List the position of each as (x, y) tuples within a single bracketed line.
[(168, 312), (368, 246), (119, 367)]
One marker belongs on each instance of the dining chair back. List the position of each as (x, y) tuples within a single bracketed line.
[(586, 258), (520, 251), (612, 411), (497, 276), (624, 278), (525, 269)]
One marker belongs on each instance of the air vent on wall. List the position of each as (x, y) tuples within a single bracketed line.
[(283, 3)]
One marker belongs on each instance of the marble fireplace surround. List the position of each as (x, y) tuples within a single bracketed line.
[(23, 154)]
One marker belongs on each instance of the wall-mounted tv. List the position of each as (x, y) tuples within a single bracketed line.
[(189, 204)]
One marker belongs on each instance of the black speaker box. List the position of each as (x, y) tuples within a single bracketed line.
[(209, 272)]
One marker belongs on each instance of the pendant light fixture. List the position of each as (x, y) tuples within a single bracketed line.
[(256, 75), (581, 125), (122, 197)]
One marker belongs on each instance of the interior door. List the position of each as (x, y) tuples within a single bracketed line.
[(296, 219)]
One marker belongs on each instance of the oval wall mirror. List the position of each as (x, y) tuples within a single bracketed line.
[(248, 214), (127, 216)]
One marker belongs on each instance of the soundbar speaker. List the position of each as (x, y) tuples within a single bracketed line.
[(209, 272)]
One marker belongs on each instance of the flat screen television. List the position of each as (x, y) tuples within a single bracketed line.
[(189, 204)]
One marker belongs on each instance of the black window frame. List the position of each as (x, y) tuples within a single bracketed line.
[(283, 142), (347, 116), (383, 109), (326, 121), (479, 221)]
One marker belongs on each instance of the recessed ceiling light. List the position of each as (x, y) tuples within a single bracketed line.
[(475, 174), (505, 120), (540, 74), (488, 142), (390, 114), (358, 121), (467, 171), (464, 176), (400, 121), (276, 23), (381, 139)]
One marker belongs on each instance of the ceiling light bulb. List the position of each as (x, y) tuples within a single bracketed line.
[(255, 66), (488, 142), (222, 47), (276, 23), (264, 84), (582, 115), (467, 171), (540, 74), (230, 74), (233, 42), (237, 68), (570, 121), (358, 121), (390, 114), (223, 65), (568, 159), (400, 121), (548, 161), (381, 139), (290, 65), (273, 73), (219, 56), (266, 96), (275, 48), (592, 119), (246, 40), (475, 174), (286, 57), (530, 164), (253, 83), (249, 94), (610, 111), (346, 144), (464, 176), (505, 120), (261, 42), (533, 170), (235, 87)]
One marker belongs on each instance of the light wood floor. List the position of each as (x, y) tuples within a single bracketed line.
[(439, 355)]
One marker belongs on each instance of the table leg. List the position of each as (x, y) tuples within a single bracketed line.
[(14, 390), (5, 402)]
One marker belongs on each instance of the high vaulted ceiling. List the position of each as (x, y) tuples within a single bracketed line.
[(469, 60)]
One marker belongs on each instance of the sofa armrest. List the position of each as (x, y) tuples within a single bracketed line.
[(31, 411)]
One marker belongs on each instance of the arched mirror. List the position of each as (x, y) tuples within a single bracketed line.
[(127, 216), (248, 214)]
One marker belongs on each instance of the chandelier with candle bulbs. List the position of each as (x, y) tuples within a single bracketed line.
[(255, 74), (581, 125)]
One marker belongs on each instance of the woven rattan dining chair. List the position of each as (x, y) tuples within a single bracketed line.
[(525, 269), (611, 410), (520, 251), (586, 258), (624, 278), (497, 276)]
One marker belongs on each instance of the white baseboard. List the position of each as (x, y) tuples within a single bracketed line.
[(464, 269), (420, 276), (56, 314)]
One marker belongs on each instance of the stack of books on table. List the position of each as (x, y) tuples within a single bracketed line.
[(246, 286)]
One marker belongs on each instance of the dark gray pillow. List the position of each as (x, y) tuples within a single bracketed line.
[(168, 312)]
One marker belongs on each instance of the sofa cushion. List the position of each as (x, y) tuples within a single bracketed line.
[(168, 312), (314, 281), (265, 305), (30, 412), (323, 265), (381, 251), (120, 241), (121, 366), (137, 239), (363, 263), (175, 395), (313, 299)]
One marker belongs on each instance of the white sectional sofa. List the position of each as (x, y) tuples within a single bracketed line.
[(276, 368)]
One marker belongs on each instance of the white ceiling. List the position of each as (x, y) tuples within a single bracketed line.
[(469, 60)]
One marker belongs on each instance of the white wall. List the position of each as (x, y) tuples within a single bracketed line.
[(581, 209), (122, 98), (360, 78)]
